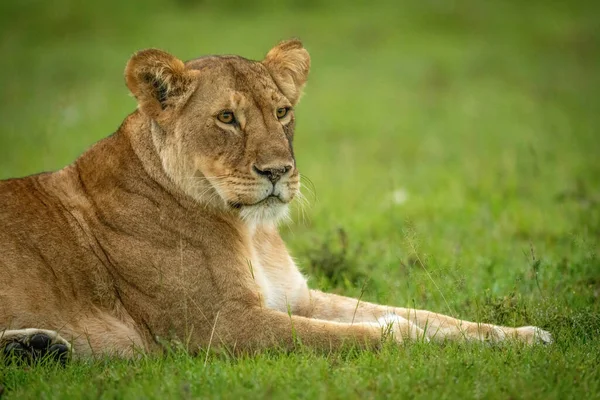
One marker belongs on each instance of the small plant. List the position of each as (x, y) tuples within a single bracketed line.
[(337, 261)]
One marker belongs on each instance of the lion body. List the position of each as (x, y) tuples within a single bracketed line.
[(166, 230), (86, 264)]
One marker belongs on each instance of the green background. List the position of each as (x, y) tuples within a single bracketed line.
[(452, 148)]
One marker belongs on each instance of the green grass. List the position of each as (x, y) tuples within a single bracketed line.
[(482, 116)]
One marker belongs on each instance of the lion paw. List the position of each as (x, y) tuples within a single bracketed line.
[(534, 335), (28, 345), (401, 328)]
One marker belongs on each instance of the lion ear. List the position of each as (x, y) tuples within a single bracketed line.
[(159, 81), (289, 63)]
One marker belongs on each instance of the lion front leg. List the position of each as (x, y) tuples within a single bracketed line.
[(443, 327), (436, 326), (247, 329)]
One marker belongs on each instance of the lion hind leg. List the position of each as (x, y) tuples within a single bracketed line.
[(103, 335), (27, 345)]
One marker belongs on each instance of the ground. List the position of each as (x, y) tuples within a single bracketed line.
[(450, 151)]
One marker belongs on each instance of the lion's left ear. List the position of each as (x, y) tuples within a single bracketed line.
[(289, 63), (159, 81)]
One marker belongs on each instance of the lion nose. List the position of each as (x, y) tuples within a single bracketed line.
[(272, 173)]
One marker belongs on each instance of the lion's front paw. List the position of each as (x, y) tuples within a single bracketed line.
[(401, 328), (497, 334), (534, 335)]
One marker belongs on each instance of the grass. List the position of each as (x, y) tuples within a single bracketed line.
[(454, 151)]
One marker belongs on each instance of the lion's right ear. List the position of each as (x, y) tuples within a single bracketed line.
[(159, 81)]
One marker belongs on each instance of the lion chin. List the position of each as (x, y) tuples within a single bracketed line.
[(270, 210)]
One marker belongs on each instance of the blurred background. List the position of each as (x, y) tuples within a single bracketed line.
[(447, 141)]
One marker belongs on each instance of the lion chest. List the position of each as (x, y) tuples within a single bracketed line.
[(281, 287)]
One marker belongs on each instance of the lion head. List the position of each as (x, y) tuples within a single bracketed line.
[(223, 126)]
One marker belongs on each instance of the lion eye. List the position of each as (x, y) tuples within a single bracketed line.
[(226, 117), (282, 112)]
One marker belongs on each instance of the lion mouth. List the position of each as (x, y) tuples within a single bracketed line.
[(267, 201)]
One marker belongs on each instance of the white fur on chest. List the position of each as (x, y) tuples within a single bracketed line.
[(281, 287)]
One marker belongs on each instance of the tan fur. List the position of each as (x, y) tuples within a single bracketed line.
[(288, 64), (163, 231)]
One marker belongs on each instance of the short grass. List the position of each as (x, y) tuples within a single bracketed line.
[(454, 150)]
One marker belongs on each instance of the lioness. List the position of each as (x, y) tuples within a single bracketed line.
[(167, 230)]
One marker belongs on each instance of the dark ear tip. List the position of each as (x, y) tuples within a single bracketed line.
[(145, 65), (291, 49), (290, 44), (149, 54)]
